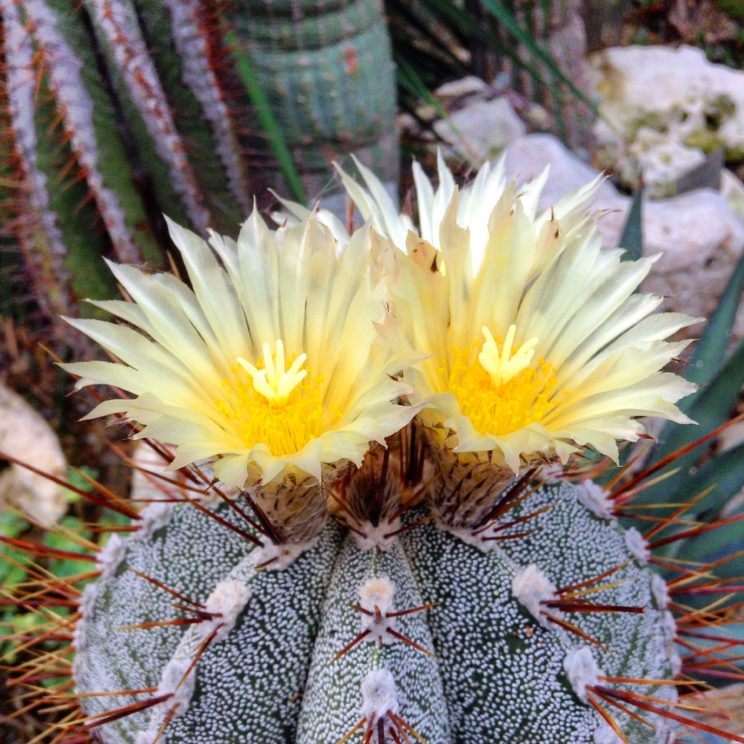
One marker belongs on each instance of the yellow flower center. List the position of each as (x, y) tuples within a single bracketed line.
[(274, 405), (504, 392)]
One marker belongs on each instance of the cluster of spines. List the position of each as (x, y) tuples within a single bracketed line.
[(39, 244), (710, 654)]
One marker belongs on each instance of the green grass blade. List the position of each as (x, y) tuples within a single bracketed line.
[(632, 237), (508, 21), (266, 118)]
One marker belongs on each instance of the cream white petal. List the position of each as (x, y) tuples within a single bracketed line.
[(293, 301)]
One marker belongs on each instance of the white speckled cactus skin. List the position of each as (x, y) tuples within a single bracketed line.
[(427, 635)]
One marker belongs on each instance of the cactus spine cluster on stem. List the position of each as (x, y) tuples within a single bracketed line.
[(381, 527)]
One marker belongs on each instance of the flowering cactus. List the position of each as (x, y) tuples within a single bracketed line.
[(378, 528)]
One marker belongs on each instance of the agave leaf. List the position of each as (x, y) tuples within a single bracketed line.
[(717, 544), (711, 347), (710, 406), (632, 236), (724, 476), (712, 403)]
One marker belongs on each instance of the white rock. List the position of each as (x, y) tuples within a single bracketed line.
[(470, 85), (527, 156), (700, 240), (480, 129), (658, 101), (732, 190), (24, 434)]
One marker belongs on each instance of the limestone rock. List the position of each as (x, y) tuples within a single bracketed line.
[(700, 239), (664, 108), (24, 434), (480, 129), (527, 157)]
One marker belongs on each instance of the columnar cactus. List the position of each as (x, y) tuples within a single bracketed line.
[(328, 74), (119, 111), (460, 580)]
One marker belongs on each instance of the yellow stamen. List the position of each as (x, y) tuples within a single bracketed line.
[(505, 392), (275, 382), (273, 405)]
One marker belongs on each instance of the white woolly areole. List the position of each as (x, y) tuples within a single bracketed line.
[(669, 624), (377, 536), (582, 670), (379, 695), (172, 682), (155, 515), (377, 592), (660, 590), (596, 499), (111, 556), (637, 546), (675, 661), (531, 587), (85, 609), (228, 598), (553, 473), (376, 596)]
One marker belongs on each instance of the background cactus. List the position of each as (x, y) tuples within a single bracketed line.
[(120, 112)]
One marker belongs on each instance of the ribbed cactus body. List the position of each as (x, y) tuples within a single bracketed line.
[(326, 67), (445, 634), (122, 111)]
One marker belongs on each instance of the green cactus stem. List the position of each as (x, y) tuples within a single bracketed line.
[(327, 71)]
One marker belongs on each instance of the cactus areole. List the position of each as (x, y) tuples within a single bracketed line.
[(381, 526)]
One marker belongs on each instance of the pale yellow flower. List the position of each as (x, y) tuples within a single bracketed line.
[(271, 361), (537, 343)]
